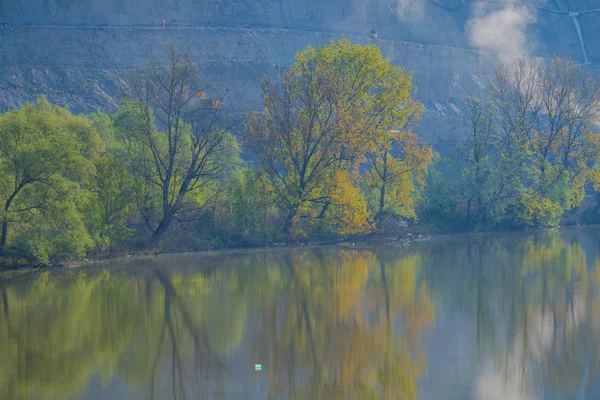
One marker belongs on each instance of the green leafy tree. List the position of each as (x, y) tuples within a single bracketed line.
[(179, 137), (548, 140), (114, 192), (248, 206), (113, 189), (528, 156), (395, 179), (481, 186), (438, 198), (46, 157)]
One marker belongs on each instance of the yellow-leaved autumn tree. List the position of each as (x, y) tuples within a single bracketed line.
[(397, 170), (334, 105)]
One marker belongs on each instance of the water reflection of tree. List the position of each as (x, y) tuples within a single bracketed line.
[(343, 326), (327, 324), (534, 298), (51, 354), (57, 331), (564, 324)]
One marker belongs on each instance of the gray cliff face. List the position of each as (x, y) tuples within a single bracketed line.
[(77, 51)]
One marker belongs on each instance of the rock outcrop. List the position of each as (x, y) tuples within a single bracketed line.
[(77, 51)]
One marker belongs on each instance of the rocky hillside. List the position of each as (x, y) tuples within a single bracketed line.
[(77, 51)]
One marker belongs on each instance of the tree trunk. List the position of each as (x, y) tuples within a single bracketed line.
[(384, 180), (381, 200), (5, 222), (169, 212), (160, 231), (324, 210), (4, 234), (166, 205), (469, 214), (290, 219)]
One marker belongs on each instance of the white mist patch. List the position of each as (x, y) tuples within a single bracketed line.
[(502, 31)]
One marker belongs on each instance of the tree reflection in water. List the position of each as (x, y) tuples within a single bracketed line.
[(325, 323), (59, 330), (534, 299), (338, 330)]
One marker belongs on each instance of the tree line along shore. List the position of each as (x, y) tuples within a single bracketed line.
[(331, 155)]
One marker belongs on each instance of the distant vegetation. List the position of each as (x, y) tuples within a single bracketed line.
[(332, 154)]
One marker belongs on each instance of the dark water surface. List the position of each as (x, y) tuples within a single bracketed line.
[(496, 317)]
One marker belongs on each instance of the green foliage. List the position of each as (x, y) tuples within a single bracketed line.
[(46, 159), (336, 105), (396, 175), (249, 206), (74, 186), (183, 136), (438, 201), (114, 192), (56, 234), (533, 210), (528, 155), (481, 182)]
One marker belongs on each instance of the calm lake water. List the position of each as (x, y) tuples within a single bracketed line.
[(496, 317)]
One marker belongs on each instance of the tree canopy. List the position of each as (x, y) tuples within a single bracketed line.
[(334, 106)]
